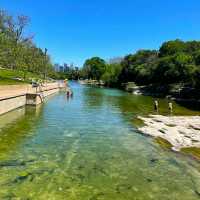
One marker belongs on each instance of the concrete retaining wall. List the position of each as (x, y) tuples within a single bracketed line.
[(35, 99), (12, 103), (27, 97), (50, 92)]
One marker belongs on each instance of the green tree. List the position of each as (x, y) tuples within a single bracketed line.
[(94, 68), (17, 51), (172, 47), (135, 67), (111, 74)]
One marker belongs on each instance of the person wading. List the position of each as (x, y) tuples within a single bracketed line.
[(156, 105), (170, 106)]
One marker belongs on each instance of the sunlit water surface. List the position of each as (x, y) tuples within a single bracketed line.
[(87, 148)]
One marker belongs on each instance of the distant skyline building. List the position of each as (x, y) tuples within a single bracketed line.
[(64, 68), (56, 67)]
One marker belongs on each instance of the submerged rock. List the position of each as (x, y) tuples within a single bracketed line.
[(15, 163), (154, 160), (12, 163), (149, 180), (123, 187), (97, 196), (22, 177)]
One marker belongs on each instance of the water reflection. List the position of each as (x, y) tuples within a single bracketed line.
[(93, 98), (129, 105), (11, 117), (15, 126)]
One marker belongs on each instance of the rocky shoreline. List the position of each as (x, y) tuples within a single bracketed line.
[(180, 131)]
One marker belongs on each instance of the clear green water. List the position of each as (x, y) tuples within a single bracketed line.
[(87, 148)]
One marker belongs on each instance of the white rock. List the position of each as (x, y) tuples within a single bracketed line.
[(184, 132)]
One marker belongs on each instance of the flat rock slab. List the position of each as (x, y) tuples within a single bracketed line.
[(180, 131)]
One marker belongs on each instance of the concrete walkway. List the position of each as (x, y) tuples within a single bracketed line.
[(16, 90), (15, 96)]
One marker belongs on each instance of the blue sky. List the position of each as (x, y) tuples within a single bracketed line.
[(74, 30)]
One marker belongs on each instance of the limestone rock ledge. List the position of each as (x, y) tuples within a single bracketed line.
[(180, 131)]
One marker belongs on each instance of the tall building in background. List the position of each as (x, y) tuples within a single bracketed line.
[(63, 68), (66, 67), (56, 67)]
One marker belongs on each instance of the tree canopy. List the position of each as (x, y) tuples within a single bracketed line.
[(17, 50), (175, 62), (94, 68)]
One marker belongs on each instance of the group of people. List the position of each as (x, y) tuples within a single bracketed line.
[(156, 105), (69, 92)]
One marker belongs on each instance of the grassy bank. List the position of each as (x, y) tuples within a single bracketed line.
[(14, 77)]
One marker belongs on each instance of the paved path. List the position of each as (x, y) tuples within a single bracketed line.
[(15, 90)]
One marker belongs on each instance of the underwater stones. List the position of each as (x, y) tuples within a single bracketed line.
[(80, 177), (154, 160), (24, 174), (149, 180), (9, 196), (99, 169), (80, 167), (135, 189), (173, 162), (60, 189), (12, 163), (197, 193), (96, 196), (28, 176), (150, 196), (15, 163), (123, 187), (22, 177)]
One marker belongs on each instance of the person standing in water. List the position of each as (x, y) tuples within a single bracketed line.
[(156, 105), (170, 106)]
